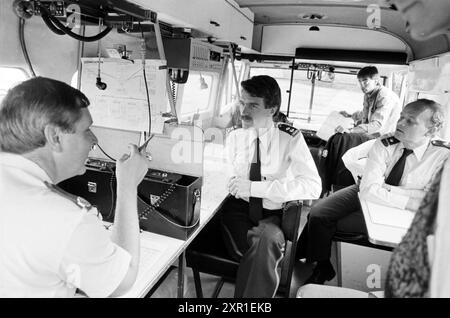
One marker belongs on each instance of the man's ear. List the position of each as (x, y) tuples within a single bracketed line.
[(432, 131), (53, 137), (273, 110)]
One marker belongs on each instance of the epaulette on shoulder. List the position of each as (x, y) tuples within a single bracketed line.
[(79, 201), (291, 130), (440, 143), (389, 140)]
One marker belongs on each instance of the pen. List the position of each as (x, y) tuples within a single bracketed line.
[(144, 145)]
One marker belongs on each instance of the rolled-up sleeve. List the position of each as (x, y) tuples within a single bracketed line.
[(92, 262), (355, 158), (373, 179), (302, 181)]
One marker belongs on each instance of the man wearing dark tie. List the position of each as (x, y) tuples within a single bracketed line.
[(271, 165), (398, 173)]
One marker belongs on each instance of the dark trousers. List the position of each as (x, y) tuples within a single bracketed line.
[(258, 247), (340, 212)]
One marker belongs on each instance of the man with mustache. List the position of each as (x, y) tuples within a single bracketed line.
[(399, 170), (271, 165)]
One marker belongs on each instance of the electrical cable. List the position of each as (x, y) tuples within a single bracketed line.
[(51, 26), (101, 149), (145, 80), (58, 25), (23, 45), (113, 196), (100, 85)]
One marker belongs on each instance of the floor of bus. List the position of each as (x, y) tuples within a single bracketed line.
[(168, 288)]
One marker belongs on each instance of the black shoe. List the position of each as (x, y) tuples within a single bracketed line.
[(321, 274)]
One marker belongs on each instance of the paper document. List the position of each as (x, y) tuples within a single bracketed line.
[(330, 124), (384, 215), (123, 104)]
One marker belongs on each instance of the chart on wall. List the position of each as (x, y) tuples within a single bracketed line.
[(123, 104)]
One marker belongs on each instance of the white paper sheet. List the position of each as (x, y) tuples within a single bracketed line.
[(123, 104), (384, 215), (333, 120)]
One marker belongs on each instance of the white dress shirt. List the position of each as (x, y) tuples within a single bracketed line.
[(420, 168), (49, 245), (355, 158), (288, 171)]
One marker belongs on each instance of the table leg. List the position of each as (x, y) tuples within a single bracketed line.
[(181, 268)]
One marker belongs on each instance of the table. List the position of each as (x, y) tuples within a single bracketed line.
[(159, 252), (385, 225)]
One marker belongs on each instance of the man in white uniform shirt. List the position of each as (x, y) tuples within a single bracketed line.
[(399, 171), (52, 243), (284, 170)]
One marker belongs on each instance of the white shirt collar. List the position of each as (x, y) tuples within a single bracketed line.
[(419, 151), (24, 164), (266, 136)]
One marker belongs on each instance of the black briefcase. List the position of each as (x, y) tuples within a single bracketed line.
[(168, 203)]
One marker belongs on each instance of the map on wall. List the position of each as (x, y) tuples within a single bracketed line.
[(123, 104)]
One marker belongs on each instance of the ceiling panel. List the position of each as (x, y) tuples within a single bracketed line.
[(338, 13)]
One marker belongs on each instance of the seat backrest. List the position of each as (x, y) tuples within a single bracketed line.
[(290, 225)]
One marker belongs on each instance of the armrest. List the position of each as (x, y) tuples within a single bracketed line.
[(290, 220)]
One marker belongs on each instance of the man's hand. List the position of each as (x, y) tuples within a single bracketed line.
[(357, 116), (239, 187), (340, 129), (345, 114), (357, 130), (131, 168), (413, 204)]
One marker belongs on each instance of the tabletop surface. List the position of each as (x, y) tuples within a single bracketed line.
[(159, 252), (385, 225)]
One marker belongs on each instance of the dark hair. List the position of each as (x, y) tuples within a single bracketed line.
[(437, 111), (368, 71), (28, 107), (265, 87)]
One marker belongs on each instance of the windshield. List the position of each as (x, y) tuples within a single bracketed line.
[(330, 94)]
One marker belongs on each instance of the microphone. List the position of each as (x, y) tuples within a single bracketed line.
[(100, 85)]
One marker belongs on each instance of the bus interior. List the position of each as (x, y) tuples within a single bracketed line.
[(205, 48)]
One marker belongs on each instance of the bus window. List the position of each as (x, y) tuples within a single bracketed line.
[(10, 76), (228, 93), (341, 93), (196, 94), (283, 78)]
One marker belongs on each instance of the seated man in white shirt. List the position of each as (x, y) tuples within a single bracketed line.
[(51, 242), (398, 173), (271, 165), (411, 273)]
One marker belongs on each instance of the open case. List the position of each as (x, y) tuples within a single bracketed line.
[(169, 197)]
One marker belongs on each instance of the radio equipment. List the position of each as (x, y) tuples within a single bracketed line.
[(168, 203)]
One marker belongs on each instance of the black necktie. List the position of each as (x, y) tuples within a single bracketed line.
[(396, 173), (255, 204)]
